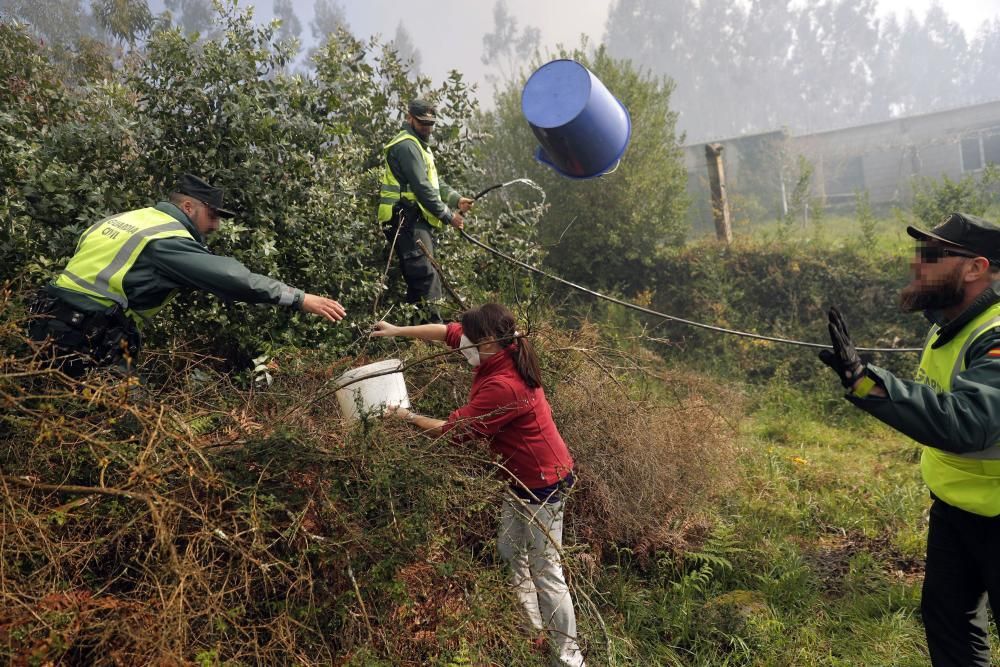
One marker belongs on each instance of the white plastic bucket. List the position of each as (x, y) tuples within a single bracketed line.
[(372, 395)]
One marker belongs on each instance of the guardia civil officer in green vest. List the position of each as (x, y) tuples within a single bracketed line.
[(128, 266), (414, 203), (953, 409)]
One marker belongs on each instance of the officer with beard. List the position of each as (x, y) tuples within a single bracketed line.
[(953, 408)]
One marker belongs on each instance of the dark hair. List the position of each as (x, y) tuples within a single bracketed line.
[(493, 321)]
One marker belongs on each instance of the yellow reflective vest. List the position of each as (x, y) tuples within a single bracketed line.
[(106, 252), (391, 191), (970, 481)]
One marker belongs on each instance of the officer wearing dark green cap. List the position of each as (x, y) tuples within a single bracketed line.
[(128, 266), (414, 202), (953, 409)]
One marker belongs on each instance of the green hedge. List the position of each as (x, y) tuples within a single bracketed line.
[(782, 290)]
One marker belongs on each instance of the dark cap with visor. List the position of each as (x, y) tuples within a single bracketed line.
[(968, 232), (209, 195), (423, 110)]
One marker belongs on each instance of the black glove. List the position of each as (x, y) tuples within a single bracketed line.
[(843, 358)]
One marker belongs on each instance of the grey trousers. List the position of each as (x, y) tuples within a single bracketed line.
[(528, 541)]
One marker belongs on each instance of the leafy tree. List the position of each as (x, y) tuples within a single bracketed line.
[(298, 156), (835, 42), (291, 26), (807, 66), (402, 43), (885, 89), (984, 76), (69, 34), (125, 20), (60, 23), (682, 40), (508, 47), (328, 18), (603, 232), (866, 220), (193, 16), (935, 199), (32, 99), (929, 64), (800, 199)]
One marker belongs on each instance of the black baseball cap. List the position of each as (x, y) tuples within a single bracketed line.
[(423, 110), (964, 231), (201, 190)]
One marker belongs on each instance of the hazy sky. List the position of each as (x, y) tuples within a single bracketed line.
[(449, 33)]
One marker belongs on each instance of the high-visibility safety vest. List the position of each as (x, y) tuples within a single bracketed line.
[(106, 252), (391, 191), (969, 481)]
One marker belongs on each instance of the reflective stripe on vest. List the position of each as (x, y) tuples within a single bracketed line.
[(107, 251), (970, 481), (391, 191)]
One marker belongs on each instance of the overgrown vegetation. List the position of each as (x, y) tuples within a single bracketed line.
[(208, 522), (783, 290), (731, 509)]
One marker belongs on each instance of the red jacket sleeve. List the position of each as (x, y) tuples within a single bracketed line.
[(493, 406), (453, 335)]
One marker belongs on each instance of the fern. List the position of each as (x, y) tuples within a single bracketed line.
[(461, 658)]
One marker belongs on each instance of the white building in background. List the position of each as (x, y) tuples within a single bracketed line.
[(880, 158)]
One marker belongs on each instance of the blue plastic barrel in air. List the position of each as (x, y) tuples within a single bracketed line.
[(582, 128)]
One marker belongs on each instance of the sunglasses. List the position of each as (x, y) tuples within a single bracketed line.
[(934, 253), (425, 123), (212, 212)]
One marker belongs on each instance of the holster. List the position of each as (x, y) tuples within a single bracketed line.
[(114, 336), (106, 336)]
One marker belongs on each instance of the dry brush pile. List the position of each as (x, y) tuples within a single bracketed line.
[(654, 445), (201, 520)]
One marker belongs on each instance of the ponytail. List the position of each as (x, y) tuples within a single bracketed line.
[(526, 362)]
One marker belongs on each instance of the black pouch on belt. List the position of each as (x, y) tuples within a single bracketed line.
[(114, 336), (44, 309)]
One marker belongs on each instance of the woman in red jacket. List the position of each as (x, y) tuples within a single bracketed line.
[(507, 407)]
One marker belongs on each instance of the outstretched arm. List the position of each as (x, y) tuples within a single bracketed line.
[(420, 421), (324, 307), (421, 331)]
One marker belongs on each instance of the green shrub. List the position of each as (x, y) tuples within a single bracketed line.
[(298, 155), (934, 199), (782, 290)]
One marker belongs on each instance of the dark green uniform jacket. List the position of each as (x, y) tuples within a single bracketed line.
[(407, 165), (962, 420), (182, 263)]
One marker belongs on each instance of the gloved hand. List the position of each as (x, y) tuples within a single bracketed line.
[(843, 358)]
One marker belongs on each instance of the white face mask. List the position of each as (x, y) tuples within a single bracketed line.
[(471, 353)]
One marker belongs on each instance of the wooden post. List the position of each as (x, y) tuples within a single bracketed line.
[(717, 184)]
